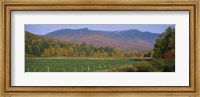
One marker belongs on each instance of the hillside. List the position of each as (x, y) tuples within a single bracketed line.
[(126, 40), (42, 46)]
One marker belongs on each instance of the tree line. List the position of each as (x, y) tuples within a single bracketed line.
[(41, 46)]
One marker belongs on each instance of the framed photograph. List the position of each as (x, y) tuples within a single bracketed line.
[(100, 47)]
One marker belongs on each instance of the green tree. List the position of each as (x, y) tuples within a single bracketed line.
[(165, 43)]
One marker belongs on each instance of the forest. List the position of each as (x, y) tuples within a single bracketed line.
[(41, 46)]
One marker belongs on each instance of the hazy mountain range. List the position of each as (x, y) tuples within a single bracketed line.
[(126, 40)]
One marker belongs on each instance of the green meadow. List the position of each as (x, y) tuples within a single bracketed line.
[(75, 65)]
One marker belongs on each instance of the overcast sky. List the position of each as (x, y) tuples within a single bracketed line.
[(42, 29)]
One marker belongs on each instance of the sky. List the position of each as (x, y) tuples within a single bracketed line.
[(42, 29)]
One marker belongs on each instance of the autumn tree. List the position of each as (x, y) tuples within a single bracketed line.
[(165, 44)]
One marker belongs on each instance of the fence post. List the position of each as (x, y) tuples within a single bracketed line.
[(34, 69), (75, 69), (47, 69), (82, 68), (93, 67), (88, 68)]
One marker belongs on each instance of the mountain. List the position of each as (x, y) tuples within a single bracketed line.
[(126, 40)]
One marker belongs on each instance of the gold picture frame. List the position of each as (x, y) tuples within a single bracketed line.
[(119, 5)]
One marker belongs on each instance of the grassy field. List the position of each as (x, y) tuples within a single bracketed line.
[(74, 64)]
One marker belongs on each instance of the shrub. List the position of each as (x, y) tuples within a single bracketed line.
[(169, 54), (127, 69), (169, 65), (158, 63), (155, 65), (145, 67)]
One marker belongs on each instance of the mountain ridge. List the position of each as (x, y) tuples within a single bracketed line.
[(126, 40)]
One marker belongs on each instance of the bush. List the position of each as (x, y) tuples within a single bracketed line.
[(127, 69), (155, 65), (169, 65), (169, 54), (145, 67), (158, 63)]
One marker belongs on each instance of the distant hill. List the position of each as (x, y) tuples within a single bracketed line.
[(42, 46), (125, 40)]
